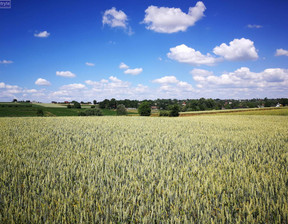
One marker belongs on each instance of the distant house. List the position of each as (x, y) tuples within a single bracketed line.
[(279, 105), (184, 104), (154, 108), (66, 102)]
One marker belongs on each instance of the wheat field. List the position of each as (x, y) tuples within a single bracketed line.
[(207, 169)]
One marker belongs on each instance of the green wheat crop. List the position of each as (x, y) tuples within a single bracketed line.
[(211, 169)]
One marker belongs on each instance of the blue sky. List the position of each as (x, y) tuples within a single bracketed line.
[(144, 49)]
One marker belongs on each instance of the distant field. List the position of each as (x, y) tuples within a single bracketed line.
[(275, 111), (30, 110), (51, 105), (254, 111)]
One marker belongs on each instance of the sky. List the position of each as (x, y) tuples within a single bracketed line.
[(89, 50)]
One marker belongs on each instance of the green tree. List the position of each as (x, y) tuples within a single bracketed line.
[(174, 110), (144, 109), (112, 103), (121, 110), (77, 105)]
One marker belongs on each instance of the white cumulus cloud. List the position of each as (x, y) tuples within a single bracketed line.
[(42, 82), (185, 54), (172, 20), (166, 80), (238, 49), (135, 71), (123, 66), (269, 79), (42, 34), (171, 87), (66, 74), (74, 86), (281, 52), (115, 18)]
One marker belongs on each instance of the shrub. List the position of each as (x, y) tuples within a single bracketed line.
[(144, 109), (81, 113), (121, 110), (164, 113), (40, 112), (69, 106), (77, 105), (93, 106)]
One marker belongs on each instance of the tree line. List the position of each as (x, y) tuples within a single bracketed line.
[(201, 104)]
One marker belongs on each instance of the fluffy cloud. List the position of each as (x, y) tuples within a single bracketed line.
[(184, 54), (272, 79), (43, 34), (281, 52), (9, 92), (171, 20), (135, 71), (171, 87), (66, 74), (200, 74), (42, 82), (166, 80), (116, 88), (254, 26), (89, 64), (6, 62), (123, 66), (114, 18), (238, 49), (75, 86)]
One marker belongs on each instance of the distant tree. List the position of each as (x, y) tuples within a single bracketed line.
[(174, 110), (112, 104), (14, 101), (104, 104), (283, 101), (77, 105), (121, 110), (251, 104), (94, 102), (40, 112), (144, 109)]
